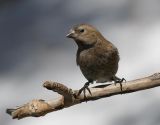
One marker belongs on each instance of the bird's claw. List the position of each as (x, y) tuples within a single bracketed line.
[(84, 88), (120, 82)]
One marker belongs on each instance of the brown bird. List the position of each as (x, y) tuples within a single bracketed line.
[(97, 57)]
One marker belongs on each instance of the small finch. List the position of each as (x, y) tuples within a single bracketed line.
[(96, 56)]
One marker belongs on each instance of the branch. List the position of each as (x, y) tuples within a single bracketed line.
[(36, 108)]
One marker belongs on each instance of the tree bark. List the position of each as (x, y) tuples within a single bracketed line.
[(39, 107)]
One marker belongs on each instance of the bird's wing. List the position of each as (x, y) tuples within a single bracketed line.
[(107, 59)]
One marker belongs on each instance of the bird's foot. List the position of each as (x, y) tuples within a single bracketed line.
[(84, 88), (120, 81)]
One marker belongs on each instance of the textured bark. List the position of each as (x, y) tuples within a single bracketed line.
[(39, 107)]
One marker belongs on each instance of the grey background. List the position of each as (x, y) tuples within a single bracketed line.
[(33, 48)]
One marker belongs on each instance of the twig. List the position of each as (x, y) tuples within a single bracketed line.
[(68, 97)]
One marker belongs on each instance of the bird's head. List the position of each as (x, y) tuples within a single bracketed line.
[(84, 34)]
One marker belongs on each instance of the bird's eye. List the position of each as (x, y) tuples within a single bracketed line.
[(81, 30)]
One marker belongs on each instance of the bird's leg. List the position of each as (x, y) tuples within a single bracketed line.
[(84, 89), (118, 80)]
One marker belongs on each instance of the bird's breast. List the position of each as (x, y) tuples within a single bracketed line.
[(95, 66)]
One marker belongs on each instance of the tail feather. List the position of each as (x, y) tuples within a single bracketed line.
[(10, 111)]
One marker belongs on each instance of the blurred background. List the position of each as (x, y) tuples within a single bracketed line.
[(33, 49)]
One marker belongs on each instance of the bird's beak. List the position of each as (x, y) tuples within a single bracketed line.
[(70, 34)]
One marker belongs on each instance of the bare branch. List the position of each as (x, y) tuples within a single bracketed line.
[(68, 96)]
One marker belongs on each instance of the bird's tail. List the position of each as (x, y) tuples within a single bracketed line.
[(9, 111)]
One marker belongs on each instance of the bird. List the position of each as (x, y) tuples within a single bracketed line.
[(96, 56)]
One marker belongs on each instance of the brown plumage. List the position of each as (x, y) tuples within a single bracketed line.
[(97, 57)]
